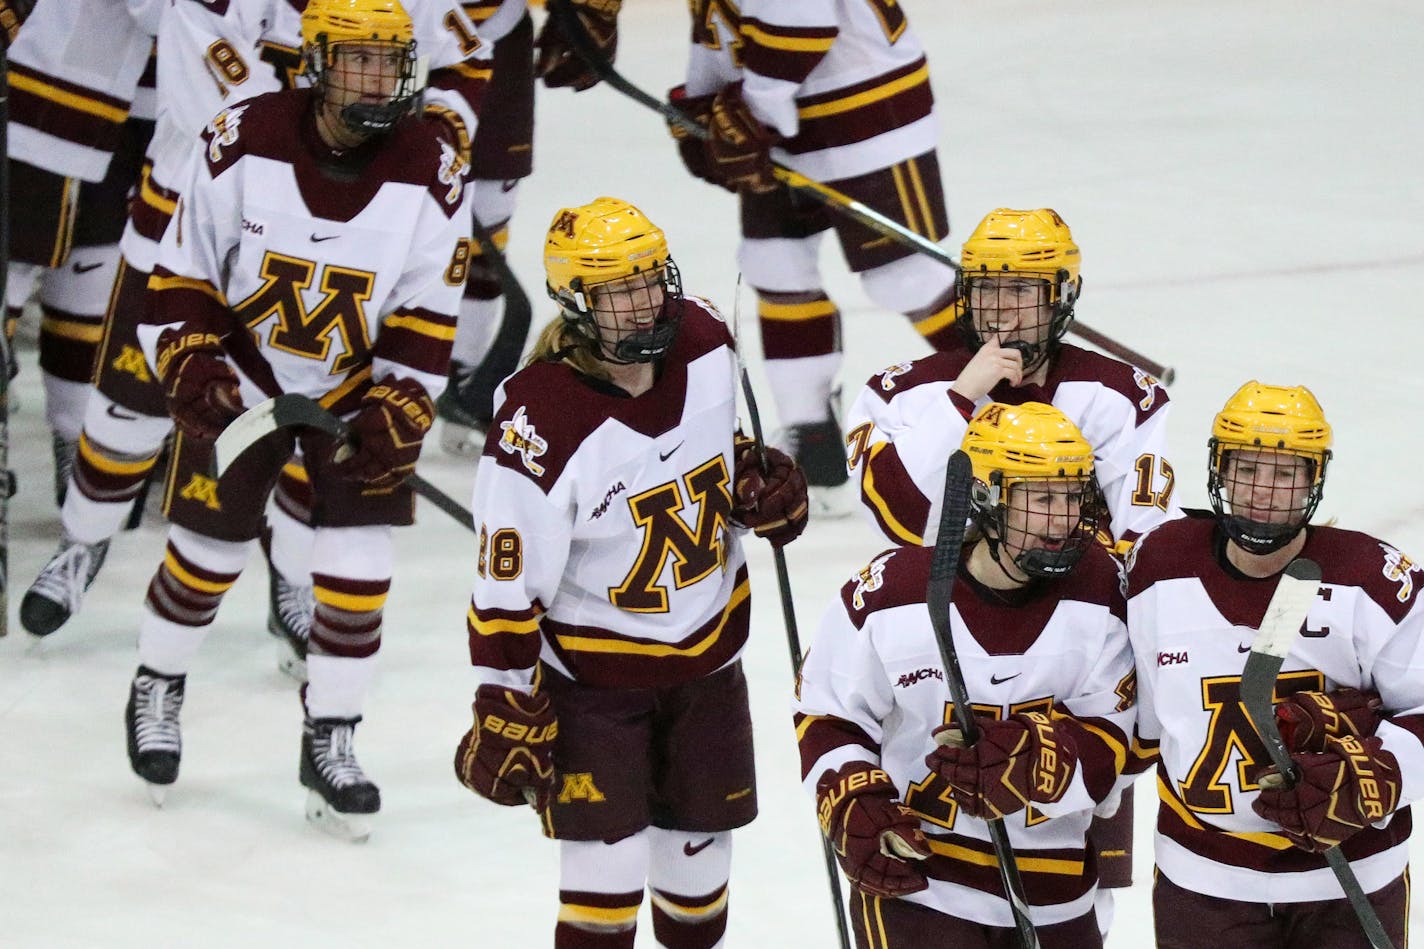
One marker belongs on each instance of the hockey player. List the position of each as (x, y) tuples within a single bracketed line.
[(1038, 628), (1240, 862), (319, 248), (611, 597), (1020, 283)]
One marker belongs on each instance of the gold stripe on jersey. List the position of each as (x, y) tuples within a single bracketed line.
[(1026, 864), (860, 100), (177, 282), (296, 470), (472, 72), (1119, 750), (151, 197), (659, 650), (350, 602), (69, 100), (882, 508), (108, 464), (193, 582), (804, 40), (415, 324), (72, 329), (575, 914), (795, 312), (493, 627), (806, 723), (1264, 839), (357, 379)]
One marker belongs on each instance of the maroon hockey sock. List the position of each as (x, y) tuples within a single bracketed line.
[(689, 922)]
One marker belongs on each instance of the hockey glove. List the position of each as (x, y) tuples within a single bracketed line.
[(690, 148), (1306, 719), (386, 434), (1025, 759), (873, 834), (199, 383), (740, 146), (1338, 792), (507, 756), (558, 65), (771, 503)]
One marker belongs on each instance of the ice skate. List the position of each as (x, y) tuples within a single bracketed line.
[(819, 450), (341, 799), (155, 741), (59, 590), (465, 422), (289, 618)]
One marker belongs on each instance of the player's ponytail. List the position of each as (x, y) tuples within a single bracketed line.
[(561, 341)]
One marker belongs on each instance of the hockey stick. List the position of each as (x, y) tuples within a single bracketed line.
[(503, 357), (292, 410), (938, 597), (783, 584), (837, 201), (7, 488), (1285, 615)]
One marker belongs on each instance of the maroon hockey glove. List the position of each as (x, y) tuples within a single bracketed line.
[(507, 756), (772, 503), (386, 434), (874, 835), (1351, 784), (1306, 719), (690, 148), (1024, 759), (558, 65), (199, 383), (740, 146)]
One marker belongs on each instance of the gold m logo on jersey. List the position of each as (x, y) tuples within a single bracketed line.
[(341, 312), (202, 489), (579, 786), (695, 553), (131, 361), (1400, 569)]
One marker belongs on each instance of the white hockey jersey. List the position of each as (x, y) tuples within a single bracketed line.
[(606, 543), (318, 283), (1192, 619), (872, 689), (905, 424), (845, 81)]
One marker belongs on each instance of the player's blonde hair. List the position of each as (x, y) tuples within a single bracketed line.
[(562, 341)]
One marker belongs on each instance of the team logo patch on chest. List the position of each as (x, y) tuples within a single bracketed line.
[(519, 438)]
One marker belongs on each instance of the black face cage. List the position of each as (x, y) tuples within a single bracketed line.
[(366, 118), (1260, 537), (990, 510), (626, 346), (1060, 314)]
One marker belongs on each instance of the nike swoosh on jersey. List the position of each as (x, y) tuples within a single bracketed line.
[(693, 851), (328, 237), (115, 412), (85, 268), (1245, 648), (665, 457), (995, 680)]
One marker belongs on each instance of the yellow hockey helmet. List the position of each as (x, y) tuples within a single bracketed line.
[(1009, 445), (1035, 244), (327, 24), (603, 241), (1285, 420)]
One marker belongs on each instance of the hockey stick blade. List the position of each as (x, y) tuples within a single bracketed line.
[(939, 597), (1285, 615)]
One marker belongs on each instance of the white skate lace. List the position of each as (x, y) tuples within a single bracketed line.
[(69, 573), (156, 714), (295, 606), (335, 758)]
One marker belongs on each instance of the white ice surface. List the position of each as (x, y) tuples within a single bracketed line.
[(1231, 170)]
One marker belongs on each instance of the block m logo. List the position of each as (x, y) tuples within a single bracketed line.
[(341, 312)]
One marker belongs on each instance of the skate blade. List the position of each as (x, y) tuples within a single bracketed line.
[(353, 827), (832, 503), (290, 663), (461, 441), (157, 793)]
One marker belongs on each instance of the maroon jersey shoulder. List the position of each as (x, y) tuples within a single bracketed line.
[(1097, 579), (895, 577), (1144, 391), (940, 368), (1183, 547), (1354, 559)]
